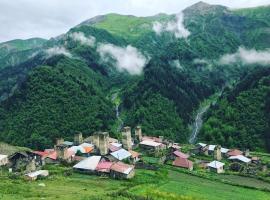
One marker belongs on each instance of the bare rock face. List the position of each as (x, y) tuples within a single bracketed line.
[(93, 20)]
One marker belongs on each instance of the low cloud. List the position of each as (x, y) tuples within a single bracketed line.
[(126, 58), (80, 37), (246, 56), (176, 27), (57, 51)]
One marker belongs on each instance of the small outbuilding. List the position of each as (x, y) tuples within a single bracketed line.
[(216, 166), (32, 176)]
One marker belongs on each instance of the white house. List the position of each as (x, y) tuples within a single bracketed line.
[(216, 166)]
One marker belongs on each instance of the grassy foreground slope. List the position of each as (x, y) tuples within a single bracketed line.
[(164, 184)]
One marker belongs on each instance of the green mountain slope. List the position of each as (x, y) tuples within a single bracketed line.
[(241, 117), (55, 101), (179, 73)]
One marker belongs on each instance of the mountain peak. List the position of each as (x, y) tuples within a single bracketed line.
[(202, 8)]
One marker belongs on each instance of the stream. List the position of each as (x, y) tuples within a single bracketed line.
[(197, 124), (117, 112)]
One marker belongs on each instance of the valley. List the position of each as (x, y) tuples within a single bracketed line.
[(161, 107)]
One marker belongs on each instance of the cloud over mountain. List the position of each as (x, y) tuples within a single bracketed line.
[(176, 27), (57, 51), (80, 37), (246, 56), (126, 58)]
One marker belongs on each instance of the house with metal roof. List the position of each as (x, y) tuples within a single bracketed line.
[(216, 166), (183, 163), (88, 165), (121, 154), (234, 152), (240, 158), (122, 171)]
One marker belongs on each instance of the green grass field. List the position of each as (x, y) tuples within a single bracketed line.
[(162, 184)]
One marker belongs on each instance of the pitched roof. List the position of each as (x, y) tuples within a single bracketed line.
[(114, 148), (104, 166), (211, 147), (116, 144), (240, 158), (87, 147), (154, 139), (89, 163), (182, 162), (224, 150), (122, 168), (234, 152), (52, 155), (202, 144), (215, 164), (150, 143), (121, 154), (180, 154)]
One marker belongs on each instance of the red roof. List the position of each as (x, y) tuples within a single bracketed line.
[(155, 139), (121, 167), (114, 148), (235, 152), (52, 155), (104, 166), (180, 154), (182, 162)]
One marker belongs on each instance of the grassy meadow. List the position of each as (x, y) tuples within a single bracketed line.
[(164, 184)]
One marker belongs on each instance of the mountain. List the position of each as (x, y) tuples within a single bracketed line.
[(161, 66), (240, 118), (16, 51)]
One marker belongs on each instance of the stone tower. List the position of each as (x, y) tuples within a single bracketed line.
[(78, 138), (126, 138), (95, 139), (138, 133), (59, 141), (103, 143), (62, 151), (217, 153)]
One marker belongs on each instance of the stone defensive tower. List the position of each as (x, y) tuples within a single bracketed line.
[(78, 138), (62, 151), (138, 133), (104, 143), (126, 138), (217, 153)]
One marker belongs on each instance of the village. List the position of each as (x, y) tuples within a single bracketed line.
[(102, 155)]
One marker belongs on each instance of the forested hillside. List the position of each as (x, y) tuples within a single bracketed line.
[(241, 116), (163, 66), (55, 101)]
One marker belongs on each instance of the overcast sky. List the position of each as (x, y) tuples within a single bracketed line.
[(49, 18)]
